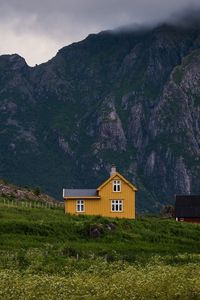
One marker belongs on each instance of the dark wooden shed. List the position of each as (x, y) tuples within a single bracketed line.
[(187, 208)]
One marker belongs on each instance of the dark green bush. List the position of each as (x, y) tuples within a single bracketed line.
[(37, 191)]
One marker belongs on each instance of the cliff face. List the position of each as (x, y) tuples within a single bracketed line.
[(132, 99)]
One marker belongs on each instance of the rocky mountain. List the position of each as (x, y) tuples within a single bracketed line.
[(129, 98)]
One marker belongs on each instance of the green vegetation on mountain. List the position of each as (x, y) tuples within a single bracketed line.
[(129, 98)]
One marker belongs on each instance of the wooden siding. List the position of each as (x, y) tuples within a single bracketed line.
[(102, 206)]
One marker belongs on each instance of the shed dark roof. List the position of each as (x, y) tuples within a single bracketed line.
[(187, 206), (79, 192)]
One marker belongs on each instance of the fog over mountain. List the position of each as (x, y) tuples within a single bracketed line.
[(37, 29)]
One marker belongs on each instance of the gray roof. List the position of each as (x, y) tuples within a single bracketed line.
[(79, 192)]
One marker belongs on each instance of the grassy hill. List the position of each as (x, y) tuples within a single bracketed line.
[(48, 255), (67, 235)]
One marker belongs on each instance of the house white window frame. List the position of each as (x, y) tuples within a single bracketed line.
[(117, 186), (80, 205), (117, 205)]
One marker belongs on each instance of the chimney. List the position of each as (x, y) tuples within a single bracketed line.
[(113, 170)]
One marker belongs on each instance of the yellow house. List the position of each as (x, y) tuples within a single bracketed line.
[(114, 198)]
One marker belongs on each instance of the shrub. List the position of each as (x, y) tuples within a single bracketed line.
[(37, 191)]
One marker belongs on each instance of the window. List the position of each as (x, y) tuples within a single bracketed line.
[(116, 186), (116, 205), (80, 205)]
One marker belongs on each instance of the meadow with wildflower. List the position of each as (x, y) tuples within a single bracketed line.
[(105, 281), (45, 254)]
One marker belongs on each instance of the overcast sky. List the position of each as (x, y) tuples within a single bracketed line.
[(37, 29)]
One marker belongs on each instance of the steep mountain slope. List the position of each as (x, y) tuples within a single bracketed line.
[(126, 98)]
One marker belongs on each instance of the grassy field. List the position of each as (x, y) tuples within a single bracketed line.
[(45, 254)]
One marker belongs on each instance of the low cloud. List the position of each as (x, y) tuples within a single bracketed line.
[(189, 17), (37, 29)]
